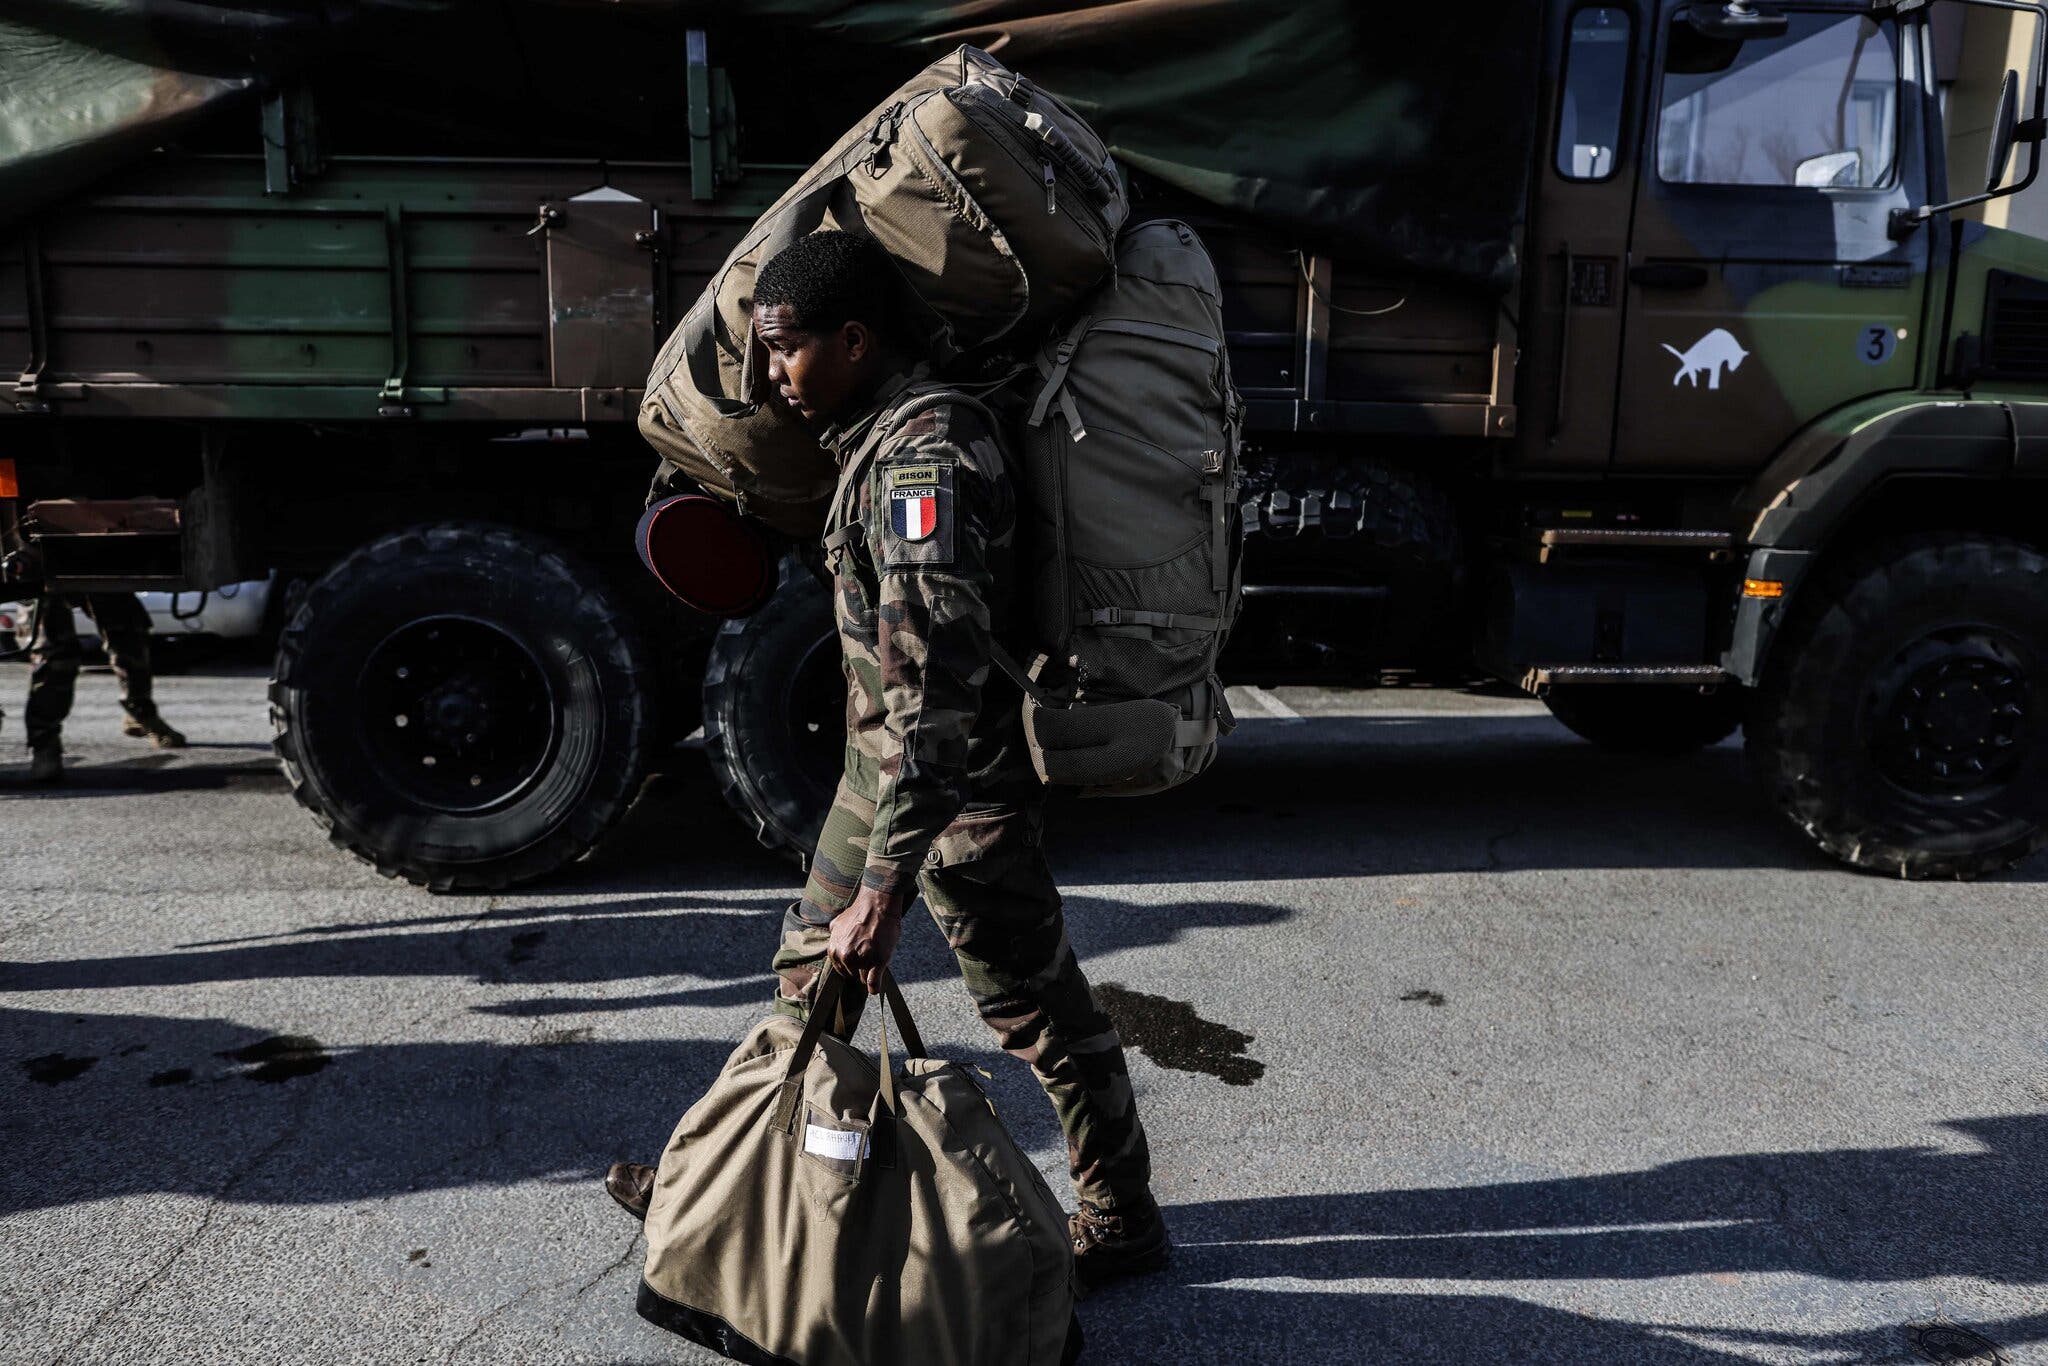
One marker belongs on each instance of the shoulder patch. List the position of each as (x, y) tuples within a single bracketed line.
[(913, 476), (917, 515), (913, 512)]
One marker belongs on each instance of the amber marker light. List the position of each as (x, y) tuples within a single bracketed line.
[(10, 487), (1763, 588)]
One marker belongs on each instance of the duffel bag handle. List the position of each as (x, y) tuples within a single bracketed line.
[(825, 1006)]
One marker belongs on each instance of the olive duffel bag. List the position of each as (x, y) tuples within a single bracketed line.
[(814, 1210), (999, 207)]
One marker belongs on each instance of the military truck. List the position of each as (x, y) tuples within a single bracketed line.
[(1752, 432)]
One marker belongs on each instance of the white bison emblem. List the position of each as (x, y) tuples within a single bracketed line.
[(1709, 356)]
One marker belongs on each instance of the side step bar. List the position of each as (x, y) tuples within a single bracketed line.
[(1716, 544), (1541, 679)]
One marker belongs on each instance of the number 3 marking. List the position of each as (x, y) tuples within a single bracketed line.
[(1875, 344)]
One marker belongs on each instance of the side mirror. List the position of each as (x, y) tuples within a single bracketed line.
[(2008, 129), (1736, 19), (2004, 130)]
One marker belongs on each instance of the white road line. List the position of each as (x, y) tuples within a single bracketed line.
[(1272, 705)]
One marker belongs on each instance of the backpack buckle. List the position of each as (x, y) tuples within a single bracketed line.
[(1106, 616), (1212, 462)]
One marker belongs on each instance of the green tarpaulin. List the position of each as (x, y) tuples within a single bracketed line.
[(1397, 131)]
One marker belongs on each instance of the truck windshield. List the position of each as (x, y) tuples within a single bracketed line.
[(1816, 108)]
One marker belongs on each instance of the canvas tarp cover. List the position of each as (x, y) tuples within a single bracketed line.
[(1398, 131)]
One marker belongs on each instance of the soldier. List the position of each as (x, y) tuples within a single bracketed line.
[(53, 675), (938, 793)]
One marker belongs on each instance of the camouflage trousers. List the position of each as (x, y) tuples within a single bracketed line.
[(988, 887), (54, 656)]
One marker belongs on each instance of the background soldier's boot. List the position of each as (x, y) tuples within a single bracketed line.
[(1112, 1244), (46, 763), (145, 724)]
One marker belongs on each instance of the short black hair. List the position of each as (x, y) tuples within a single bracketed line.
[(827, 279)]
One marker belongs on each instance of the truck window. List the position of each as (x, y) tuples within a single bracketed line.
[(1595, 78), (1816, 108)]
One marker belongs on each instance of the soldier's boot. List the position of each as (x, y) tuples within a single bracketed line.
[(632, 1185), (146, 724), (46, 763), (1112, 1244)]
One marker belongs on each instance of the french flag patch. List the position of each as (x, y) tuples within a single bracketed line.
[(913, 513)]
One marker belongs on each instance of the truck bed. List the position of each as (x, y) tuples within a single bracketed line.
[(421, 289)]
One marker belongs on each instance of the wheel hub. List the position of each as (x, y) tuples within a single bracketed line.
[(457, 713), (1956, 716)]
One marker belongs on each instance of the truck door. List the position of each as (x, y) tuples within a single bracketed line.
[(1585, 182), (1763, 288)]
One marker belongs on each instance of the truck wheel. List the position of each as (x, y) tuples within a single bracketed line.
[(775, 714), (1625, 719), (462, 706), (1904, 721)]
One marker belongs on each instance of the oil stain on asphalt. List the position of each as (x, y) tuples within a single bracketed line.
[(1172, 1035), (281, 1057), (53, 1069)]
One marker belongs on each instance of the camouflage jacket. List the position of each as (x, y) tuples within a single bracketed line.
[(921, 590)]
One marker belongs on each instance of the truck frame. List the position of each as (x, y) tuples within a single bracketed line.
[(1759, 440)]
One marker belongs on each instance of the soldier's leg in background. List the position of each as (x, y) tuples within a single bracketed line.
[(807, 925), (53, 670), (995, 902), (124, 631)]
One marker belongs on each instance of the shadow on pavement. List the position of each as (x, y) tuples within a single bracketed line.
[(1326, 797), (726, 940), (187, 770), (1859, 1215), (200, 1115), (202, 1106), (1329, 797)]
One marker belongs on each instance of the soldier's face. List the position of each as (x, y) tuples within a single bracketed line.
[(817, 373)]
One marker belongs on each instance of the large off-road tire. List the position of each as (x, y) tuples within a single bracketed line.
[(463, 706), (1903, 724), (775, 714), (1624, 718)]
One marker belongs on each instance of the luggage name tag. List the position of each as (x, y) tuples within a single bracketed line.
[(841, 1146)]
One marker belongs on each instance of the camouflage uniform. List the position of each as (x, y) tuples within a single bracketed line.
[(54, 656), (938, 789)]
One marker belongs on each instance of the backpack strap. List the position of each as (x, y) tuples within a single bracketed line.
[(1131, 616), (845, 536), (1018, 674), (1056, 378)]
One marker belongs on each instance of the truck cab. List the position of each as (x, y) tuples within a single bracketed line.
[(1788, 382)]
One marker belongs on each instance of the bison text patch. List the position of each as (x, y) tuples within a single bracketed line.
[(919, 515)]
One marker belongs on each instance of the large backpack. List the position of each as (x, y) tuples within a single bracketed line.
[(1129, 456), (999, 207)]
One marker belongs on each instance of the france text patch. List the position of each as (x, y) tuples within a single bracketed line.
[(917, 514), (913, 513)]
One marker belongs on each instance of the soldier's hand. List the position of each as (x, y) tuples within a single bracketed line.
[(864, 936)]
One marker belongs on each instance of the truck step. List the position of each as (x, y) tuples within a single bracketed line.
[(1716, 544), (1543, 677)]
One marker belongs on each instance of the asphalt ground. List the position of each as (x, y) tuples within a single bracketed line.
[(1457, 1041)]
